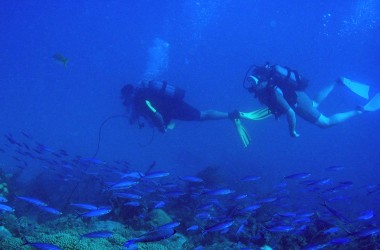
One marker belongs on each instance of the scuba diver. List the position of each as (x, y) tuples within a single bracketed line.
[(282, 90), (159, 103)]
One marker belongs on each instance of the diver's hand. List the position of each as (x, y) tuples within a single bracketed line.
[(294, 134)]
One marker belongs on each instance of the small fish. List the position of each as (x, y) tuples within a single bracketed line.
[(267, 200), (221, 191), (314, 246), (287, 214), (240, 229), (250, 208), (367, 232), (173, 224), (192, 228), (366, 215), (93, 161), (61, 58), (123, 185), (84, 206), (128, 196), (98, 235), (50, 210), (159, 204), (33, 201), (340, 241), (240, 197), (132, 204), (42, 245), (281, 229), (251, 178), (331, 230), (335, 168), (203, 215), (297, 176), (3, 199), (219, 226), (6, 208), (191, 179), (96, 212), (155, 235), (157, 174), (133, 175)]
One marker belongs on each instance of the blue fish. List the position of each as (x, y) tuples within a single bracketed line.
[(281, 229), (96, 212), (84, 206), (33, 201), (173, 224), (6, 208), (368, 232), (192, 228), (98, 234), (155, 235), (340, 241), (221, 191), (132, 204), (191, 179), (366, 215), (50, 210), (123, 185), (219, 226), (250, 208), (128, 196), (331, 230), (42, 246), (158, 174), (297, 176), (251, 178), (335, 168), (159, 204)]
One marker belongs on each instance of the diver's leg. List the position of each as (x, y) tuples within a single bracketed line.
[(321, 96), (326, 122), (213, 115)]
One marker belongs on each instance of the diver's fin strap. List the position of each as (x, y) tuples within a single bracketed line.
[(244, 136), (256, 115), (150, 106)]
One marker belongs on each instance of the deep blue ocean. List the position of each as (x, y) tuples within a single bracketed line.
[(205, 47)]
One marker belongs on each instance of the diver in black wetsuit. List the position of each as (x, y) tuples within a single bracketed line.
[(160, 103)]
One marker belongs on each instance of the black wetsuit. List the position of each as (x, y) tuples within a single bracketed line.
[(293, 98), (169, 107)]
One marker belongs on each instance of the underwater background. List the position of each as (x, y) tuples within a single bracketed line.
[(51, 116)]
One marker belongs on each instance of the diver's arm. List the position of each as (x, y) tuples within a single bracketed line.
[(290, 114), (159, 121), (156, 116)]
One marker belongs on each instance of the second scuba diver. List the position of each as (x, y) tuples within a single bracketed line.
[(282, 90)]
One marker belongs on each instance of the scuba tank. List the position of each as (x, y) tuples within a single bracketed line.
[(165, 89)]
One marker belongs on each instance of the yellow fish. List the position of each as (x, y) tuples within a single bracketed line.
[(61, 58)]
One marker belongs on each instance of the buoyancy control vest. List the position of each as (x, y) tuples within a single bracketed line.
[(164, 89)]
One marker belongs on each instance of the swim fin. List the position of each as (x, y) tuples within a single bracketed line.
[(373, 104), (244, 136), (358, 88), (256, 115)]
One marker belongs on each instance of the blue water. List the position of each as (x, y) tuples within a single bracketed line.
[(211, 44)]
